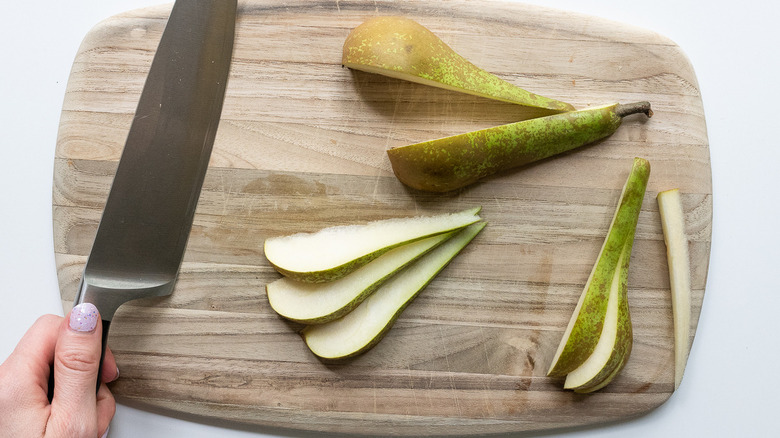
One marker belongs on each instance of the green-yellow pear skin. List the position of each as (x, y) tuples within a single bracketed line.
[(585, 326), (454, 162), (605, 364), (404, 49)]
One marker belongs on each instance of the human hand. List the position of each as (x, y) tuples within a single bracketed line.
[(71, 347)]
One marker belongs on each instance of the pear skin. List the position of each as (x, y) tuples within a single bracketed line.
[(404, 49), (585, 326), (453, 162), (597, 372)]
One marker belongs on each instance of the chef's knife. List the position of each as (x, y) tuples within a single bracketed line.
[(142, 235)]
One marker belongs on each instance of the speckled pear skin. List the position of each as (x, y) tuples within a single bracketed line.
[(589, 321), (404, 49), (454, 162), (624, 341)]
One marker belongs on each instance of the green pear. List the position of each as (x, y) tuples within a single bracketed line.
[(616, 338), (318, 303), (453, 162), (673, 223), (404, 49), (608, 275), (334, 252), (366, 325)]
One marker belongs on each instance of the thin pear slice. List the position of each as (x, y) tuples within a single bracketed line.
[(364, 327), (318, 303), (616, 339), (673, 223), (586, 323), (404, 49), (334, 252), (453, 162)]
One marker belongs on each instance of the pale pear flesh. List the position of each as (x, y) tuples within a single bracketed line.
[(366, 325), (404, 49), (678, 259), (582, 333), (334, 252), (318, 303)]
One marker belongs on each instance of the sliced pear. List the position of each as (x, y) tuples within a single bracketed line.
[(587, 322), (318, 303), (616, 339), (334, 252), (673, 223), (404, 49), (365, 326)]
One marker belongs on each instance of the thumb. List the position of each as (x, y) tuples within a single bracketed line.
[(76, 363)]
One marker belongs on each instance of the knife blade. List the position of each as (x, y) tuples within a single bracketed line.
[(142, 235)]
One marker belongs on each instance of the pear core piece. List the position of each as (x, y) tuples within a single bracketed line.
[(366, 325), (587, 321), (333, 252), (453, 162), (317, 303), (673, 223), (404, 49)]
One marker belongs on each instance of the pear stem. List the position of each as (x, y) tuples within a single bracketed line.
[(623, 110)]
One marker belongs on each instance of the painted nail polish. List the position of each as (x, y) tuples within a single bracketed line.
[(83, 318)]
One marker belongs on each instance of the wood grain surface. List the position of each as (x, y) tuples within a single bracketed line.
[(302, 146)]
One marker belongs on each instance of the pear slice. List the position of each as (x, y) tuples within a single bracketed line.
[(456, 161), (318, 303), (587, 321), (334, 252), (364, 327), (616, 339), (404, 49), (673, 223)]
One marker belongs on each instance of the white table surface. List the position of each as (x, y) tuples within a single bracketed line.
[(729, 387)]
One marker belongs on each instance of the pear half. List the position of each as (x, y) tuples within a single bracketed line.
[(673, 223), (366, 325), (587, 323), (456, 161), (334, 252), (404, 49), (318, 303)]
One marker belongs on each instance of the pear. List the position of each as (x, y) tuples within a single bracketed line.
[(317, 303), (366, 325), (404, 49), (588, 322), (616, 338), (453, 162), (673, 223), (334, 252)]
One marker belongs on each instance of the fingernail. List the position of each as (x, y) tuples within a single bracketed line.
[(117, 374), (106, 433), (84, 317)]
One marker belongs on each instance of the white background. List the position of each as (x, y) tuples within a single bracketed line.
[(729, 387)]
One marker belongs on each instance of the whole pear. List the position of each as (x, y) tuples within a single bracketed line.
[(404, 49), (453, 162)]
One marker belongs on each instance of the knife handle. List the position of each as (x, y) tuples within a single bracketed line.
[(104, 344)]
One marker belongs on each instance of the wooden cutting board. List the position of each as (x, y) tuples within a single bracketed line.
[(302, 146)]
